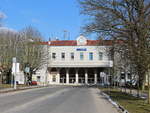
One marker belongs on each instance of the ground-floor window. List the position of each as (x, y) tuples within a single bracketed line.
[(54, 78), (38, 78)]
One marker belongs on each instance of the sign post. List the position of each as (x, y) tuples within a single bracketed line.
[(27, 71), (14, 70)]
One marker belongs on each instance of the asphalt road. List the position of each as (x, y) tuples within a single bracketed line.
[(56, 99)]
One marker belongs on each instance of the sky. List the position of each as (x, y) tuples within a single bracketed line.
[(50, 17)]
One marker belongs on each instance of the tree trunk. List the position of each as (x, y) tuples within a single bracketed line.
[(148, 88), (138, 89), (130, 84), (143, 86), (125, 84), (0, 79), (143, 83)]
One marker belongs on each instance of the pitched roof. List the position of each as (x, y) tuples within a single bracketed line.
[(74, 43)]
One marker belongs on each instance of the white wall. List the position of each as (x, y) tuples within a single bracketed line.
[(67, 62), (43, 74), (20, 77)]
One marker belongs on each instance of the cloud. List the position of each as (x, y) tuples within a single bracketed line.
[(2, 15)]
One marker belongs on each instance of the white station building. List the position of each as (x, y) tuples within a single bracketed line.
[(78, 62)]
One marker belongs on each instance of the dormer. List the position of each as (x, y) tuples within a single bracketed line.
[(81, 40)]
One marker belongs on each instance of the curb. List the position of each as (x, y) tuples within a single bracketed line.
[(118, 106)]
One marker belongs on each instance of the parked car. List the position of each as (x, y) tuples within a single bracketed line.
[(34, 83)]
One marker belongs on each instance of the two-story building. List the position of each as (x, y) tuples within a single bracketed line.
[(79, 61)]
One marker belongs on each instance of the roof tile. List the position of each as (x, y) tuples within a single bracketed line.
[(74, 43)]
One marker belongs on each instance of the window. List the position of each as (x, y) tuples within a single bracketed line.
[(100, 56), (53, 55), (54, 78), (38, 78), (63, 55), (81, 56), (129, 76), (72, 56), (109, 57), (91, 56), (122, 75)]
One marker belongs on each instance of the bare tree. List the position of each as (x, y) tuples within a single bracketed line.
[(128, 20), (25, 46), (8, 39), (33, 50)]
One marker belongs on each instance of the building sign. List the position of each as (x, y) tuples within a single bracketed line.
[(14, 60), (15, 68), (81, 49)]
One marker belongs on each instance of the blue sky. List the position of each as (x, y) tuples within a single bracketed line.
[(50, 17)]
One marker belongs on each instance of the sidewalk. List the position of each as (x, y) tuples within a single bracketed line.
[(5, 90)]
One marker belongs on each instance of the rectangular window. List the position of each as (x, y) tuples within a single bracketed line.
[(81, 56), (53, 55), (129, 76), (54, 78), (91, 56), (63, 55), (100, 56), (72, 56), (38, 78), (109, 57)]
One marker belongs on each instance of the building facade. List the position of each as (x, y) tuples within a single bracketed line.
[(79, 61)]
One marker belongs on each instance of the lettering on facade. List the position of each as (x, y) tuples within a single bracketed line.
[(81, 49)]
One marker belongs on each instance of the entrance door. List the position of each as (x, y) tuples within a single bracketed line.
[(53, 76), (91, 76), (81, 73), (63, 75)]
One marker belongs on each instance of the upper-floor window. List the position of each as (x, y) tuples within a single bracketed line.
[(100, 56), (63, 55), (91, 56), (81, 56), (53, 55), (109, 56), (129, 76), (72, 56)]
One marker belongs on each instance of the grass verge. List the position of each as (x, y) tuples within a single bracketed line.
[(129, 102)]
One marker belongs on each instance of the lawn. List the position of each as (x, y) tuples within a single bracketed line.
[(132, 104)]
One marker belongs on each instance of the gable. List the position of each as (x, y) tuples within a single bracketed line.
[(81, 40)]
